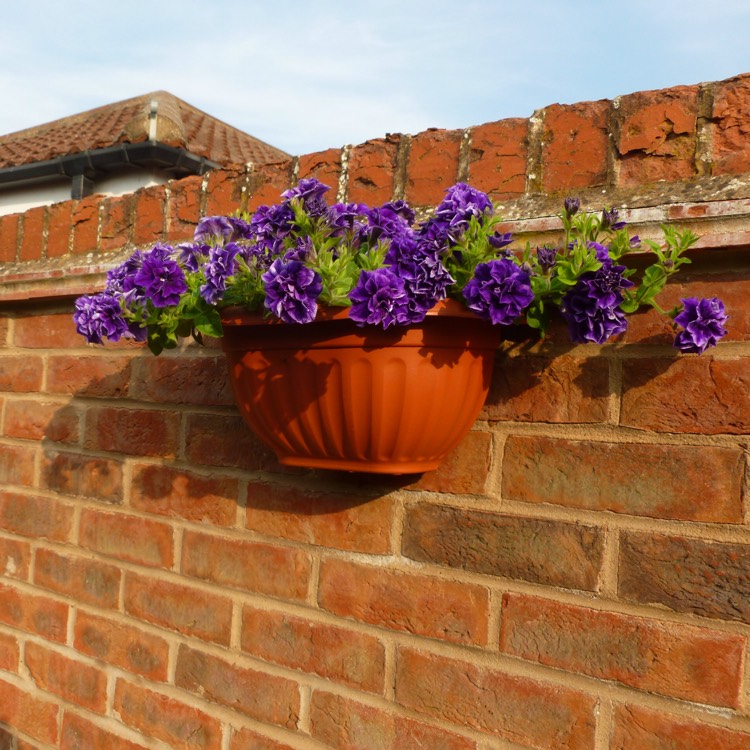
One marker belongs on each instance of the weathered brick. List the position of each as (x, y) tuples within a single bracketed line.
[(81, 734), (464, 470), (419, 604), (248, 565), (139, 432), (32, 235), (59, 229), (52, 331), (246, 739), (324, 166), (72, 680), (117, 222), (330, 520), (127, 537), (35, 717), (184, 208), (710, 579), (553, 553), (266, 183), (344, 724), (497, 162), (658, 135), (21, 374), (183, 494), (78, 474), (33, 613), (9, 237), (574, 145), (38, 420), (730, 117), (372, 168), (432, 166), (536, 714), (126, 646), (85, 220), (663, 481), (17, 464), (149, 214), (224, 191), (9, 654), (339, 654), (259, 695), (696, 664), (690, 394), (85, 580), (549, 389), (165, 718), (646, 729), (185, 609), (36, 517), (89, 376), (15, 558)]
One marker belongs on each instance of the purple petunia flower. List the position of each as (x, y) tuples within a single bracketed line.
[(546, 257), (222, 263), (218, 227), (610, 220), (310, 191), (451, 218), (100, 315), (499, 291), (122, 278), (347, 218), (703, 322), (192, 254), (292, 291), (161, 278), (571, 206), (379, 298)]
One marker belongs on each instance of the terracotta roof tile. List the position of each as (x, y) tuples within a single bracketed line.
[(178, 124)]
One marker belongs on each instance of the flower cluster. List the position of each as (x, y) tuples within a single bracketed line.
[(390, 270)]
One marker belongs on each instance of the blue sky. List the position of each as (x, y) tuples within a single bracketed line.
[(306, 75)]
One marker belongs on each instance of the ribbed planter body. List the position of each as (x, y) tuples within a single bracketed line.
[(333, 395)]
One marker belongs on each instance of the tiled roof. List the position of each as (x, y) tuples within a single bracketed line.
[(178, 124)]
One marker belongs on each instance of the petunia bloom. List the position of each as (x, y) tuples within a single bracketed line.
[(703, 323)]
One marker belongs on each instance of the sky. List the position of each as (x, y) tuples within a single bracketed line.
[(306, 75)]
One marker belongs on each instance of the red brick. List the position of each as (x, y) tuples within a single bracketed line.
[(149, 214), (219, 440), (4, 327), (710, 579), (15, 559), (699, 395), (122, 645), (80, 734), (418, 604), (730, 117), (372, 170), (266, 569), (183, 380), (329, 520), (117, 222), (137, 432), (28, 714), (658, 135), (33, 613), (184, 208), (89, 376), (259, 695), (246, 739), (78, 474), (53, 331), (433, 166), (267, 182), (696, 664), (185, 609), (35, 516), (499, 151), (464, 470), (59, 229), (9, 238), (69, 678), (32, 235), (9, 653), (85, 220), (224, 190), (552, 553), (344, 724), (324, 166), (339, 654), (183, 494), (127, 537), (17, 464), (85, 580), (37, 420), (21, 374), (663, 481), (646, 729), (527, 711), (163, 718)]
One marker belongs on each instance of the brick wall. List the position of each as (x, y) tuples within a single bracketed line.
[(576, 575)]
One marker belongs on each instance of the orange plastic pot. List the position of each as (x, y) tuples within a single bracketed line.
[(334, 395)]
